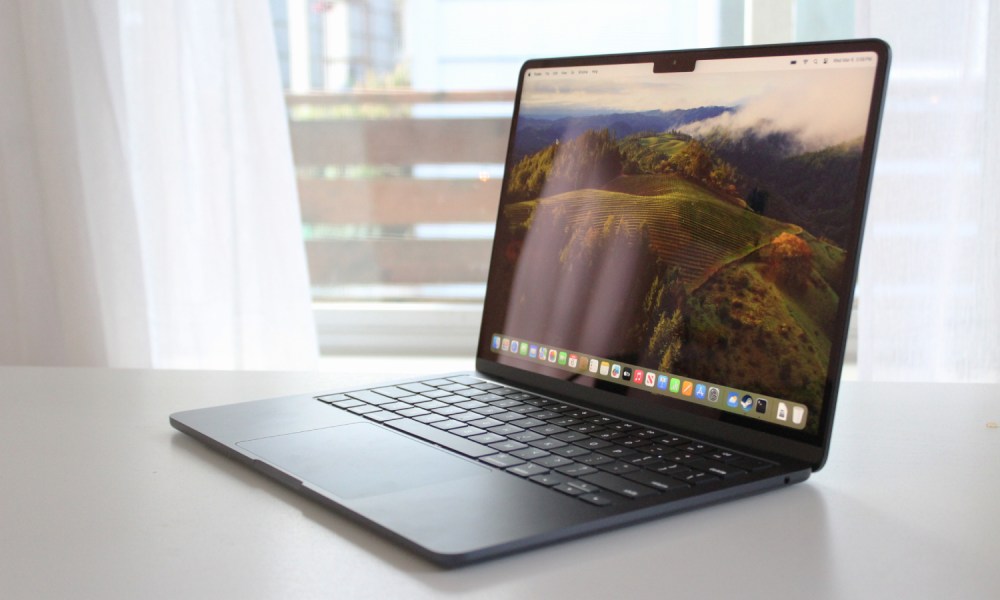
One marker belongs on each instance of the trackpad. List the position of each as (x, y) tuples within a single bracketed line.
[(361, 460)]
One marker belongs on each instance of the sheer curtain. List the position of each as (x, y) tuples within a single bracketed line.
[(148, 210), (929, 290)]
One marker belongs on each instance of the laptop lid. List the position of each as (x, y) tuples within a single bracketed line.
[(678, 235)]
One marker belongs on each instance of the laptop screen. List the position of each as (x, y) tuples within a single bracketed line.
[(685, 232)]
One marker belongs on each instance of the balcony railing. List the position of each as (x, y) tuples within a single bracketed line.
[(399, 191)]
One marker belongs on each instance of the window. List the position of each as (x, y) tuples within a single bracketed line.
[(399, 115)]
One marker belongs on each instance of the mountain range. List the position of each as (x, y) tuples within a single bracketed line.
[(535, 132)]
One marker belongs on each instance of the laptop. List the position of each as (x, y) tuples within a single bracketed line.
[(665, 315)]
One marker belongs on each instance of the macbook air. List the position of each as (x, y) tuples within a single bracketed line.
[(665, 317)]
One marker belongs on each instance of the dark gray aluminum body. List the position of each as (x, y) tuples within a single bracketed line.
[(468, 511)]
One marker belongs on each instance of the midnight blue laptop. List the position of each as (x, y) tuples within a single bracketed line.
[(665, 319)]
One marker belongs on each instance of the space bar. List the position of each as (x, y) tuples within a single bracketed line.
[(441, 438)]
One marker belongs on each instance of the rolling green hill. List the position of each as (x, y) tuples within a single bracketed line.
[(685, 224)]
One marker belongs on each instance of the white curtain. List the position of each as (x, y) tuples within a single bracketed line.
[(148, 210), (929, 293)]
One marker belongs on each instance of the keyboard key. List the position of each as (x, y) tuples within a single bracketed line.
[(489, 397), (429, 418), (570, 436), (576, 470), (530, 453), (465, 417), (447, 424), (596, 499), (570, 451), (506, 429), (441, 438), (487, 385), (672, 440), (548, 429), (592, 443), (430, 404), (466, 431), (470, 404), (618, 485), (528, 423), (586, 427), (416, 388), (617, 452), (567, 489), (657, 450), (643, 460), (523, 409), (452, 399), (545, 415), (394, 406), (618, 468), (633, 441), (488, 438), (502, 460), (504, 415), (656, 480), (527, 470), (647, 433), (699, 477), (381, 416), (470, 392), (466, 379), (370, 397), (722, 455), (552, 461), (392, 392), (411, 412), (674, 470), (549, 479), (525, 436), (564, 421), (332, 398), (698, 448), (448, 410), (485, 423), (436, 394), (487, 410), (536, 401), (507, 446), (547, 443), (348, 403), (583, 486), (595, 460), (363, 409), (726, 471), (506, 403), (437, 382)]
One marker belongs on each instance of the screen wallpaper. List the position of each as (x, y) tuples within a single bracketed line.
[(692, 224)]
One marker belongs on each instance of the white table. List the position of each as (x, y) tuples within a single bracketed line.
[(101, 498)]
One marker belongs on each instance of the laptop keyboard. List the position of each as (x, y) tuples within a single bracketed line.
[(597, 458)]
